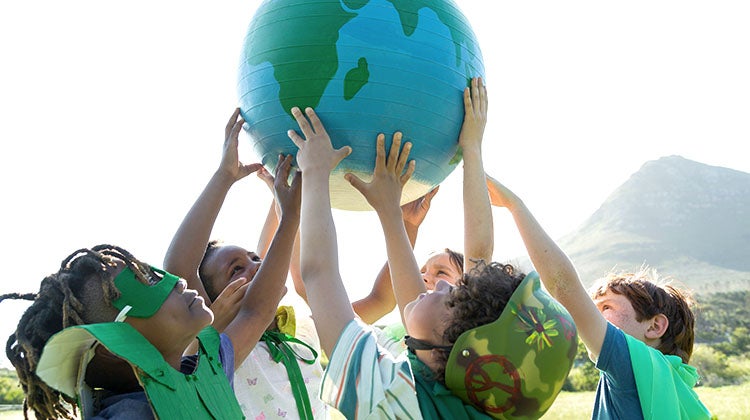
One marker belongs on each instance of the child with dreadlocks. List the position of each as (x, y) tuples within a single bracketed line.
[(108, 332), (637, 331), (495, 345)]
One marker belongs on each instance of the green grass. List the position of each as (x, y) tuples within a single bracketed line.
[(571, 406), (11, 415), (725, 403)]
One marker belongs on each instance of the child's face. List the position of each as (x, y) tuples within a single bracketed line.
[(182, 315), (426, 317), (439, 267), (228, 263), (618, 310)]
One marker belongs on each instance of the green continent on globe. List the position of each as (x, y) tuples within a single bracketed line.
[(309, 33), (356, 78), (408, 11)]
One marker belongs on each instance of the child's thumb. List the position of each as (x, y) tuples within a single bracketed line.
[(344, 152), (356, 182)]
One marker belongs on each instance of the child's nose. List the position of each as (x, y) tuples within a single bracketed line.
[(181, 286), (252, 269)]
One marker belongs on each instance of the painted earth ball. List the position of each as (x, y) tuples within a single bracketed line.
[(366, 67)]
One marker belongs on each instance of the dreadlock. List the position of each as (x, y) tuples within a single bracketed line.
[(18, 296), (58, 305)]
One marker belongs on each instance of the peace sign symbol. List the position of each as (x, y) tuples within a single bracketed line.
[(478, 380)]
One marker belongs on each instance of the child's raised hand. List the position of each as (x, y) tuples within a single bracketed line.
[(228, 303), (475, 115), (315, 150), (266, 177), (288, 196), (500, 195), (415, 211), (389, 177), (230, 161)]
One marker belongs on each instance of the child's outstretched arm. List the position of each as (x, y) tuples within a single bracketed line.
[(269, 227), (319, 265), (384, 194), (272, 217), (264, 292), (381, 300), (478, 229), (184, 255), (555, 268)]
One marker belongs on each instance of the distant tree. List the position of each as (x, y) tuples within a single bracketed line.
[(719, 314), (10, 390), (718, 369), (738, 343), (584, 376)]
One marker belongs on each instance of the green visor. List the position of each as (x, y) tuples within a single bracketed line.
[(143, 299), (514, 367)]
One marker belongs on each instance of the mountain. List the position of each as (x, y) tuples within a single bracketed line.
[(689, 220)]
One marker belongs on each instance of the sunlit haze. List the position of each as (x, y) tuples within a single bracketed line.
[(112, 120)]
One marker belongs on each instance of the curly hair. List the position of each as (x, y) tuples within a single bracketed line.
[(81, 292), (478, 299), (650, 295)]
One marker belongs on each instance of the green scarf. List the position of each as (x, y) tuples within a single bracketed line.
[(282, 352), (665, 384), (435, 400)]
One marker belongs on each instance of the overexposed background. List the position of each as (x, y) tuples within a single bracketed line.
[(112, 117)]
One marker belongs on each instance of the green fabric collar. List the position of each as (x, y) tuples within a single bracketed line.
[(665, 384), (204, 394), (435, 400)]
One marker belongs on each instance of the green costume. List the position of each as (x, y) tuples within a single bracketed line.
[(435, 400), (203, 394), (514, 367), (665, 384)]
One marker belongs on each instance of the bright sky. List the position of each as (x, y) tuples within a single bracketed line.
[(112, 117)]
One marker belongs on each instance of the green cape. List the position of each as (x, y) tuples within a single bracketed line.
[(665, 384)]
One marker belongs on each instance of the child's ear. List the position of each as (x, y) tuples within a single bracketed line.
[(658, 326)]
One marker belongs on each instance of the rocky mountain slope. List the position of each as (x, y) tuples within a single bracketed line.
[(687, 219)]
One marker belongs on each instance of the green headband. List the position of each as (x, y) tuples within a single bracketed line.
[(144, 300), (514, 367)]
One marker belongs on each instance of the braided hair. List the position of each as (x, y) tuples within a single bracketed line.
[(81, 292)]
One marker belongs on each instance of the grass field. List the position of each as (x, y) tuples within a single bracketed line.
[(725, 403), (11, 415)]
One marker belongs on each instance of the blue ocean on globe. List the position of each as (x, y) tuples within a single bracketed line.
[(366, 67)]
